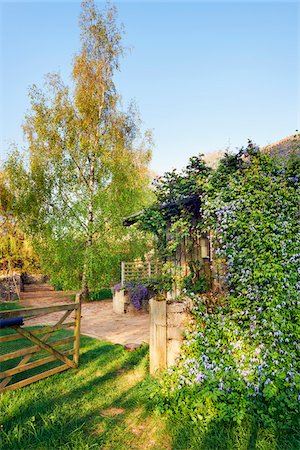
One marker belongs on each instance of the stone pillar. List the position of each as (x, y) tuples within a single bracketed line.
[(168, 320), (119, 302), (178, 316)]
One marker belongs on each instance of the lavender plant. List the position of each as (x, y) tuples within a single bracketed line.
[(137, 292)]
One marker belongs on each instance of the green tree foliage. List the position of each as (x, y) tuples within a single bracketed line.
[(88, 166), (16, 251)]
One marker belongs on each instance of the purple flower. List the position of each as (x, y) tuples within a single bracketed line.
[(137, 293), (199, 377), (117, 287)]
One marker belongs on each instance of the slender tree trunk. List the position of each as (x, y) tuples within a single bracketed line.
[(85, 292), (91, 187), (90, 230)]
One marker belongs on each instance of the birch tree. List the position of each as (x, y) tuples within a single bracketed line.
[(88, 161)]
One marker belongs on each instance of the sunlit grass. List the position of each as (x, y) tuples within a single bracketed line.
[(5, 306)]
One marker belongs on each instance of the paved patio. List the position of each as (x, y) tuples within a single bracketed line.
[(98, 319)]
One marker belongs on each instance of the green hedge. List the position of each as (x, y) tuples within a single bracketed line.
[(101, 294)]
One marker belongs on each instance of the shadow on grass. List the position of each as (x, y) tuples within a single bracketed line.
[(219, 435), (47, 414)]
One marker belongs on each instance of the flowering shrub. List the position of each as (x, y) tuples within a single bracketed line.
[(141, 291), (243, 356), (137, 292)]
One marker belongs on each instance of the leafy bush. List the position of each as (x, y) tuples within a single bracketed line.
[(101, 294), (197, 282), (58, 287)]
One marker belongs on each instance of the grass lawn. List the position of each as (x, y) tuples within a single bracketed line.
[(9, 305), (105, 405)]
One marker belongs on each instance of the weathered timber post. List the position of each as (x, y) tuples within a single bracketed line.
[(77, 329), (158, 335)]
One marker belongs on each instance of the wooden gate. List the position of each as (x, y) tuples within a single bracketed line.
[(45, 349)]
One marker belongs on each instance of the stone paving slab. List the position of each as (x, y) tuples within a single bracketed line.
[(98, 318)]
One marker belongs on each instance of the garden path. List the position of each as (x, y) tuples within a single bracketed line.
[(98, 318)]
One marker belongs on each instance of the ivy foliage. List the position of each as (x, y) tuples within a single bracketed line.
[(243, 356)]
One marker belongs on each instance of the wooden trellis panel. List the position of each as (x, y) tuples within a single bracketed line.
[(139, 270)]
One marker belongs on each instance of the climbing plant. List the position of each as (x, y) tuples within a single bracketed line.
[(242, 355), (174, 215)]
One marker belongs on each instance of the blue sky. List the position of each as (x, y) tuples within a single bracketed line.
[(205, 75)]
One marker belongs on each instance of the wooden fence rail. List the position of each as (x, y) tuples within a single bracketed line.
[(45, 349)]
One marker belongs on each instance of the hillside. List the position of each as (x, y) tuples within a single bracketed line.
[(285, 147)]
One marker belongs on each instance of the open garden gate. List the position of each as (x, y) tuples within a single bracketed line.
[(16, 342)]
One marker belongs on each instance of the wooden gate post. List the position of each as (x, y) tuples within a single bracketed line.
[(77, 329), (122, 273), (158, 335)]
